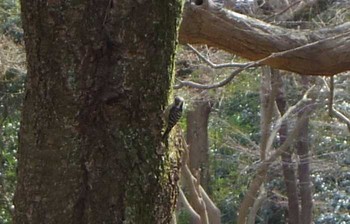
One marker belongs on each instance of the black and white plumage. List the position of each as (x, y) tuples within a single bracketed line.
[(172, 115)]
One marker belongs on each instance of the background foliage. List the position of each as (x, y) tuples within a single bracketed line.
[(12, 78)]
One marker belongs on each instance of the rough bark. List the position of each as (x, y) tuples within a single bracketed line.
[(99, 74), (320, 52), (197, 138), (287, 161)]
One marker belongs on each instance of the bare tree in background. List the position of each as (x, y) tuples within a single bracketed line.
[(197, 139)]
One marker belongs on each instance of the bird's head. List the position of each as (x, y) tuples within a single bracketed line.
[(178, 101)]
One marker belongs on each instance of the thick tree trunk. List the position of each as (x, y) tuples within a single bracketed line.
[(90, 148), (197, 138), (287, 161)]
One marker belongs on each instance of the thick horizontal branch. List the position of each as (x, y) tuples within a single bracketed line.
[(327, 52)]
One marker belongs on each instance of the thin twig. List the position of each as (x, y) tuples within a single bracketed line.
[(331, 96), (341, 117), (284, 117), (333, 111), (283, 10), (261, 172), (218, 84), (213, 65)]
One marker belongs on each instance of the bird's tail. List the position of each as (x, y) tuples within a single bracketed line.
[(166, 134)]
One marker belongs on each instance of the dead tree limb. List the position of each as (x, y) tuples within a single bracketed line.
[(327, 52)]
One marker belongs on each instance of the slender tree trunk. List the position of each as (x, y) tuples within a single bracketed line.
[(197, 138), (287, 162), (304, 175), (90, 147), (267, 99), (201, 208), (302, 147)]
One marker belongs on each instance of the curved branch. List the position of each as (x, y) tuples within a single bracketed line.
[(261, 172), (211, 86), (216, 66), (253, 39), (260, 62), (332, 110), (195, 218)]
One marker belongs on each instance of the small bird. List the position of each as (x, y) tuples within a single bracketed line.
[(173, 114)]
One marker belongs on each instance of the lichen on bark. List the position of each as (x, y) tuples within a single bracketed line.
[(99, 75)]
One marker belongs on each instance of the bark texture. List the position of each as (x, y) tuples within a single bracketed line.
[(287, 161), (99, 74), (320, 52), (197, 138)]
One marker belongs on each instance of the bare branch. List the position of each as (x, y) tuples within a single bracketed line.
[(284, 117), (283, 10), (257, 205), (341, 117), (331, 95), (295, 12), (215, 85), (216, 66), (199, 200), (195, 218), (254, 187), (332, 110), (253, 39), (257, 63), (198, 204), (214, 213)]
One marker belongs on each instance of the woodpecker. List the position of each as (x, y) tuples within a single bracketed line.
[(172, 115)]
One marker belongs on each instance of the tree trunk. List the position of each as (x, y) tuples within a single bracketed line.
[(90, 149), (304, 176), (267, 99), (302, 149), (197, 138), (287, 162)]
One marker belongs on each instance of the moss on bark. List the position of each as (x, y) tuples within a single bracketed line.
[(99, 75)]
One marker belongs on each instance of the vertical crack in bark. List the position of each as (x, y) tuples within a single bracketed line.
[(79, 207)]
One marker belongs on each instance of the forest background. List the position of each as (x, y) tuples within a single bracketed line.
[(229, 116)]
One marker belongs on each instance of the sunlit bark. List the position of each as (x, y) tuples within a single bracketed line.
[(320, 52)]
